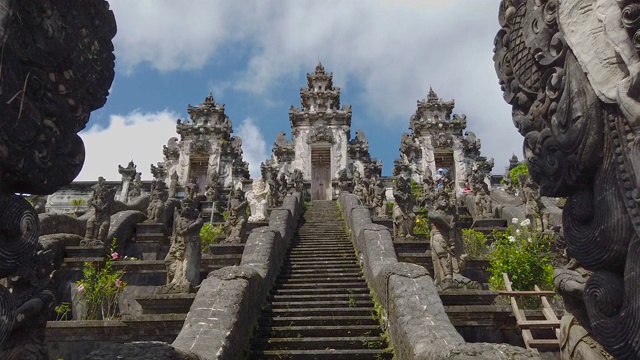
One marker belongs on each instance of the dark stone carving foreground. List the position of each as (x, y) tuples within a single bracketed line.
[(570, 69), (56, 67)]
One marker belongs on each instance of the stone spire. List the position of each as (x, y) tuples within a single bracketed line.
[(434, 115), (207, 118), (320, 102)]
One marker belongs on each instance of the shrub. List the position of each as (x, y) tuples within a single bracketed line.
[(390, 207), (62, 311), (101, 287), (416, 189), (475, 243), (518, 170), (524, 255), (422, 226), (209, 234)]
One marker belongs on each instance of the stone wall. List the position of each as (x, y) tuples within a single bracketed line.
[(418, 326)]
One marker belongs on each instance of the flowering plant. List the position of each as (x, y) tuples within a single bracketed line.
[(101, 287), (524, 254)]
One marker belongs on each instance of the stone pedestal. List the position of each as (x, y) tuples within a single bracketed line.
[(148, 243)]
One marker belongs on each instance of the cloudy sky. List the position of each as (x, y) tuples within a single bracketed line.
[(254, 56)]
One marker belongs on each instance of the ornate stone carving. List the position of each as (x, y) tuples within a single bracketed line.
[(297, 179), (403, 216), (193, 189), (98, 225), (570, 71), (283, 148), (156, 208), (173, 185), (128, 172), (443, 218), (135, 189), (171, 151), (57, 67), (159, 171), (258, 200), (380, 198), (236, 223), (183, 259), (320, 133), (483, 202)]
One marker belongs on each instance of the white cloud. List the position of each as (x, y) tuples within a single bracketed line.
[(395, 50), (253, 146), (136, 136)]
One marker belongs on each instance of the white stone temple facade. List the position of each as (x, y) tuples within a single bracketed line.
[(320, 130)]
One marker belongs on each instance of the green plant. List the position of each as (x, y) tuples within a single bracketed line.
[(416, 189), (390, 207), (475, 243), (522, 253), (100, 287), (518, 170), (62, 311), (77, 203), (209, 234), (225, 215), (422, 226)]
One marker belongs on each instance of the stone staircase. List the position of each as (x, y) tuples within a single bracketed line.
[(320, 306)]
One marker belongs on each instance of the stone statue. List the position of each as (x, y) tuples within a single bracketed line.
[(258, 200), (235, 226), (98, 224), (272, 185), (212, 190), (446, 272), (484, 204), (360, 190), (173, 185), (343, 181), (282, 187), (192, 189), (570, 71), (403, 215), (42, 44), (185, 253), (380, 199), (39, 203), (156, 208), (136, 187), (298, 181)]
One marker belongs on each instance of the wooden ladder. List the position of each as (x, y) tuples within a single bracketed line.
[(551, 320)]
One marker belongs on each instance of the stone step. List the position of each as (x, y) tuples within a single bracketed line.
[(86, 251), (321, 262), (166, 303), (351, 303), (337, 320), (323, 343), (467, 297), (226, 249), (319, 279), (293, 259), (320, 331), (295, 291), (326, 354), (331, 285), (356, 273), (411, 246), (320, 297), (322, 270), (331, 311)]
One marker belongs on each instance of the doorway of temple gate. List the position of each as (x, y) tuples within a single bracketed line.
[(321, 173)]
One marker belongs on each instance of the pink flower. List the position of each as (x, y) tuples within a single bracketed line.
[(114, 256), (80, 289), (118, 282)]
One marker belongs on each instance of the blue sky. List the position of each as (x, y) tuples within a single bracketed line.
[(254, 56)]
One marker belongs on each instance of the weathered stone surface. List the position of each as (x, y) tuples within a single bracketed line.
[(123, 225), (376, 248), (152, 350), (222, 313), (52, 223), (280, 221), (264, 251)]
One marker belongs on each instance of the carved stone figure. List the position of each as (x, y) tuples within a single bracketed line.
[(258, 200), (136, 186), (403, 215), (39, 203), (98, 224), (173, 185), (156, 208), (446, 272), (236, 223), (343, 180), (183, 259), (298, 181), (192, 189), (360, 190), (484, 204), (380, 198), (212, 190), (570, 71), (57, 67)]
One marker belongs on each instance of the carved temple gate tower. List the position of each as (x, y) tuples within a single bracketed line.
[(321, 146), (437, 142), (206, 150)]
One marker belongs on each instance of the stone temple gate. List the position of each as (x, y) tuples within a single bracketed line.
[(321, 146)]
